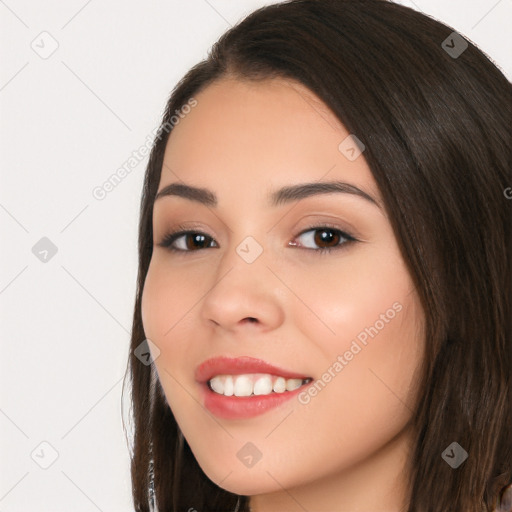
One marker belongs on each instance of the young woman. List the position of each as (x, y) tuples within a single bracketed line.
[(325, 273)]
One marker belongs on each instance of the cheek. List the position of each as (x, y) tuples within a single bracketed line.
[(366, 324), (167, 297), (366, 393), (364, 295), (154, 305), (169, 305)]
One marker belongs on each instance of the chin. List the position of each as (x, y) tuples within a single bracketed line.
[(239, 479), (247, 483)]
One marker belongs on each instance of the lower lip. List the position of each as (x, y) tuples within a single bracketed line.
[(234, 407)]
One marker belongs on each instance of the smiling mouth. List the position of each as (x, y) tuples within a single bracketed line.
[(254, 384), (239, 388)]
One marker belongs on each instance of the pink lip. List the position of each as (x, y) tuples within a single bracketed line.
[(232, 407), (239, 365)]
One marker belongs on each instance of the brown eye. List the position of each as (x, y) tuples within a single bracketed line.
[(323, 238), (196, 241), (326, 237), (188, 241)]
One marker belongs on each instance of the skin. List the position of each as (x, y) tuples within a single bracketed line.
[(347, 448)]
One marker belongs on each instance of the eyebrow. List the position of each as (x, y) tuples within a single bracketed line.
[(279, 197)]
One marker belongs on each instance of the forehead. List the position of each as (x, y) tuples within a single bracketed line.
[(274, 105), (273, 130)]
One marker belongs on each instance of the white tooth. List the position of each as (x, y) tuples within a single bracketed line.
[(228, 386), (243, 385), (217, 385), (292, 384), (246, 385), (263, 386), (280, 385)]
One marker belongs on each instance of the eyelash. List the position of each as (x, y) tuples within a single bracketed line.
[(170, 238)]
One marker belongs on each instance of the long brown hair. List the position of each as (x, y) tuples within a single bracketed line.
[(436, 126)]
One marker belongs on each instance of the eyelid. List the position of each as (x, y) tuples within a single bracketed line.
[(320, 225)]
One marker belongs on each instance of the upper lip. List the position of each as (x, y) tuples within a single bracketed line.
[(240, 365)]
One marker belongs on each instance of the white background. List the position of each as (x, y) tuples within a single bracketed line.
[(67, 124)]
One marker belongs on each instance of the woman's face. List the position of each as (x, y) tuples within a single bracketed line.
[(307, 279)]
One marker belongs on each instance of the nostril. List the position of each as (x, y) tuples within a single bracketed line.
[(251, 319)]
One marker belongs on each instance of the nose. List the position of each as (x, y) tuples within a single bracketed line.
[(243, 296)]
